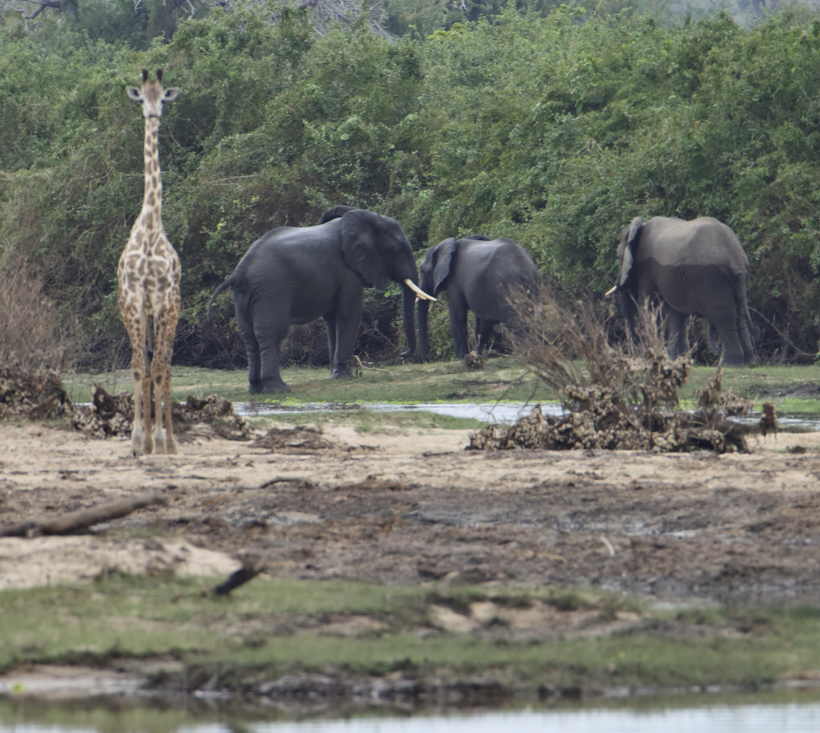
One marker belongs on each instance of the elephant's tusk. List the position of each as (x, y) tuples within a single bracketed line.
[(417, 290), (609, 292)]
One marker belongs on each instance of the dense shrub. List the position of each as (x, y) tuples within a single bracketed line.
[(555, 127)]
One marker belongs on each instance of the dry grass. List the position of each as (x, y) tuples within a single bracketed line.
[(569, 348), (32, 330), (620, 395)]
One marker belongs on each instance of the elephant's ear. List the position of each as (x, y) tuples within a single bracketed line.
[(626, 250), (361, 231), (443, 258), (335, 213)]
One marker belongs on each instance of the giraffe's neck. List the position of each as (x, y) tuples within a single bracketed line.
[(152, 203)]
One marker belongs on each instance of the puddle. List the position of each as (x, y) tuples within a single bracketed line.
[(505, 413), (501, 413)]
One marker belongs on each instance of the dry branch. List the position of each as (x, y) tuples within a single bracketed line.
[(616, 395), (251, 567), (82, 519)]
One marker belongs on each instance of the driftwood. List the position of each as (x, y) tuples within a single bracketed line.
[(82, 519), (251, 567)]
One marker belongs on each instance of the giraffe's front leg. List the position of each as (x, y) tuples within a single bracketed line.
[(137, 433), (163, 427), (141, 441), (148, 440), (161, 368)]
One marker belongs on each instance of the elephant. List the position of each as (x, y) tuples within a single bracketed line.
[(695, 268), (294, 275), (479, 274)]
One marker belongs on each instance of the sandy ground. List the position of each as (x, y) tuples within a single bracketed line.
[(409, 508)]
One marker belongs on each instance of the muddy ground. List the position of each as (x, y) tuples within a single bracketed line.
[(417, 507), (414, 508)]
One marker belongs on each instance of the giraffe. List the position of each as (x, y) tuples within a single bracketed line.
[(149, 297)]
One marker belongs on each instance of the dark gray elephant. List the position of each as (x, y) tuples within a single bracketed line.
[(295, 275), (695, 268), (479, 275)]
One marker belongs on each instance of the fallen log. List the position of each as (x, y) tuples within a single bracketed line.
[(82, 519), (251, 567)]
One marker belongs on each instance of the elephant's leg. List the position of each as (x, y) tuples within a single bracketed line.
[(732, 348), (483, 333), (252, 347), (733, 329), (676, 328), (458, 323), (746, 339), (330, 321), (348, 318), (269, 338), (712, 338), (737, 345)]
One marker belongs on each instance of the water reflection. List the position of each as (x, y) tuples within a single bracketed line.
[(746, 719), (724, 718)]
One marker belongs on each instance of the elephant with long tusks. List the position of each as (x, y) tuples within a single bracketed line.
[(695, 268), (294, 275)]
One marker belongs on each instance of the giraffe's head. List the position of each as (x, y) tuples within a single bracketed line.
[(152, 95)]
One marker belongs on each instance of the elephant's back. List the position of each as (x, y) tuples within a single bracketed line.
[(501, 254), (705, 240), (284, 243), (504, 265)]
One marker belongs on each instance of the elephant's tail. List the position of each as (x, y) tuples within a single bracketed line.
[(746, 327), (207, 327)]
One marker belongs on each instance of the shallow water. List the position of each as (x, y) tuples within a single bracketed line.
[(794, 717), (746, 719), (501, 413)]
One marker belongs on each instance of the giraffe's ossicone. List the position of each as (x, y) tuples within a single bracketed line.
[(149, 298)]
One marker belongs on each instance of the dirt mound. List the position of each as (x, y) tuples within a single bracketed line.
[(33, 395), (113, 415), (299, 439)]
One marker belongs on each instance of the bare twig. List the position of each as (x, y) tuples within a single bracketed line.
[(609, 546), (82, 519), (43, 5), (358, 362)]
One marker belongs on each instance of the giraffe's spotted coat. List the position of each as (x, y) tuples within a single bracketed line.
[(149, 297)]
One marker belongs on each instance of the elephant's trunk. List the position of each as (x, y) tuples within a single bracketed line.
[(408, 299), (629, 310)]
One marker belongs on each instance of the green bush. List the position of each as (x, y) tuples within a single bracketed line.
[(552, 125)]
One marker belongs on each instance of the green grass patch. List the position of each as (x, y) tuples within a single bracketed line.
[(370, 421), (448, 382), (257, 630), (502, 380)]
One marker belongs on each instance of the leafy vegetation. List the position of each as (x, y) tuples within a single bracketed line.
[(553, 125)]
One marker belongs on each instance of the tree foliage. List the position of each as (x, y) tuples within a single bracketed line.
[(552, 125)]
